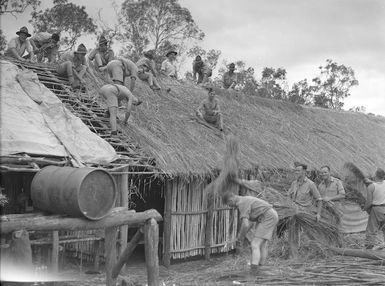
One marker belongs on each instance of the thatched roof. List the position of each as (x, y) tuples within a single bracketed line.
[(272, 134)]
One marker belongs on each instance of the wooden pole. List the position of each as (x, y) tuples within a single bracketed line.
[(151, 240), (209, 226), (61, 222), (125, 255), (363, 253), (167, 224), (110, 252), (124, 203), (55, 252)]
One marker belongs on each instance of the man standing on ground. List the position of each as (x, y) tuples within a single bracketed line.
[(169, 67), (258, 224), (375, 206), (18, 45), (209, 110), (230, 78)]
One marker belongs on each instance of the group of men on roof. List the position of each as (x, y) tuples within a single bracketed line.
[(259, 219)]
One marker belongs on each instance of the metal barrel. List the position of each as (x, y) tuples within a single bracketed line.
[(78, 192)]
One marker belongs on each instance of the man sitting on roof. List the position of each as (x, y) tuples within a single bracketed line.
[(73, 65), (146, 69), (119, 69), (117, 95), (101, 55), (375, 206), (18, 45), (202, 69), (211, 112), (169, 67), (45, 45), (230, 78)]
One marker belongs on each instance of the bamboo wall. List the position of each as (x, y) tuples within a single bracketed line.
[(188, 220)]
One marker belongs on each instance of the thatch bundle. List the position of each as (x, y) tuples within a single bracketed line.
[(355, 184)]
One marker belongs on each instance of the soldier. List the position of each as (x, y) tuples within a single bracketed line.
[(169, 67), (209, 110), (230, 78), (45, 45), (18, 45), (146, 70), (101, 55)]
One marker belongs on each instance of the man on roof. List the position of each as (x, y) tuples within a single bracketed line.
[(230, 78), (119, 69), (73, 65), (45, 45), (209, 110), (146, 69), (169, 67), (18, 45), (117, 95), (375, 206), (258, 224), (201, 69), (101, 55)]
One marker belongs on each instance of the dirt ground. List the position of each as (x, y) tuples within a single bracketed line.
[(314, 266)]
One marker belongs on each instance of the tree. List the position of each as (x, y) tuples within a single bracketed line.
[(273, 83), (69, 19), (301, 93), (3, 42), (17, 6), (157, 22), (333, 85)]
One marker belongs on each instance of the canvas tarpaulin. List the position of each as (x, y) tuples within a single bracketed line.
[(35, 121)]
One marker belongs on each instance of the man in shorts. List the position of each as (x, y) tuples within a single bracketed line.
[(116, 95), (120, 69), (258, 224)]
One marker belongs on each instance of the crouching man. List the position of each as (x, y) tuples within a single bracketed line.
[(258, 223), (117, 95)]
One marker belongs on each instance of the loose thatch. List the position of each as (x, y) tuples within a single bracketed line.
[(272, 133), (354, 181)]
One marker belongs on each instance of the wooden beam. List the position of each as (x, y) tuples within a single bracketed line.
[(125, 255), (151, 241), (209, 226), (363, 253), (55, 252), (167, 224), (110, 252), (61, 222), (123, 203)]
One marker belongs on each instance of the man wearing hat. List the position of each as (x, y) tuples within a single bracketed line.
[(18, 45), (169, 67), (101, 55), (230, 78), (45, 45), (146, 69), (209, 110), (120, 69), (74, 66)]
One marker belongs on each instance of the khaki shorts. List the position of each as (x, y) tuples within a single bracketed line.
[(110, 94), (266, 227), (213, 119), (116, 71)]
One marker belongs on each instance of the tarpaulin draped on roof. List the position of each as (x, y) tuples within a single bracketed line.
[(35, 121)]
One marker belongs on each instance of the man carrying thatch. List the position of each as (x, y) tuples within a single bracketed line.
[(375, 206), (147, 71), (258, 223), (116, 95), (230, 78), (101, 55), (45, 45), (209, 110)]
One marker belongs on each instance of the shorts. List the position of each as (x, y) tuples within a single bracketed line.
[(212, 119), (266, 227), (110, 94), (116, 71)]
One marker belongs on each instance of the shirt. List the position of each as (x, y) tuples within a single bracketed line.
[(105, 56), (70, 56), (148, 62), (332, 188), (251, 207), (129, 67), (229, 79), (20, 47), (169, 68), (209, 107), (379, 193), (303, 193)]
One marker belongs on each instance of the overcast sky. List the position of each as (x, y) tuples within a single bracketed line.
[(298, 35)]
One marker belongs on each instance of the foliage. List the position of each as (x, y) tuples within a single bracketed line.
[(3, 42), (300, 93), (272, 83), (67, 18), (159, 23), (17, 6), (210, 57), (333, 85), (358, 109)]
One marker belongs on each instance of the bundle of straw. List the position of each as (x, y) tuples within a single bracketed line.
[(355, 184)]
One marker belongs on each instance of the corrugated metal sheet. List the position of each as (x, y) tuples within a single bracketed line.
[(353, 218)]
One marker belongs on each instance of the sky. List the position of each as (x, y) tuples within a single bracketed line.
[(298, 35)]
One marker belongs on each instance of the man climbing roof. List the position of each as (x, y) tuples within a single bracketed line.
[(146, 69), (169, 67), (209, 110), (120, 69), (201, 69), (45, 45), (101, 55), (18, 45), (230, 78)]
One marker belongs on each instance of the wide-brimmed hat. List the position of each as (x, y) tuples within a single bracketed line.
[(55, 37), (81, 49), (171, 52), (149, 54), (102, 40), (23, 30), (231, 65)]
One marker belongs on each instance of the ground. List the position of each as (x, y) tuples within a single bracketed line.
[(315, 266)]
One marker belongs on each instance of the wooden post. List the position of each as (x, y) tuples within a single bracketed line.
[(123, 258), (209, 226), (110, 252), (97, 255), (55, 252), (151, 240), (123, 203), (167, 224)]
